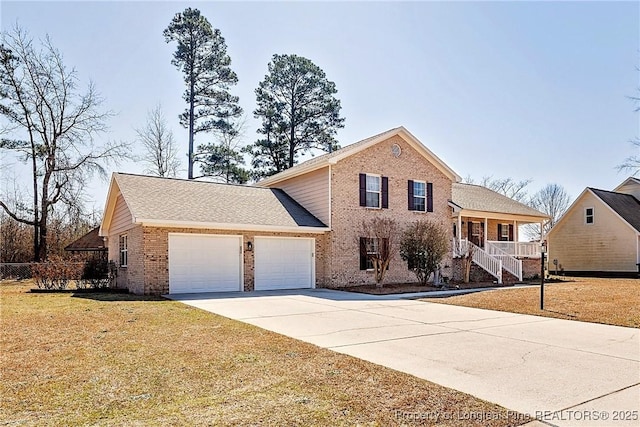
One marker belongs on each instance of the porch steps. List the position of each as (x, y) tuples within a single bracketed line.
[(480, 275)]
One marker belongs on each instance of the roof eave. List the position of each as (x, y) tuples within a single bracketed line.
[(400, 131), (230, 226), (291, 173), (503, 215)]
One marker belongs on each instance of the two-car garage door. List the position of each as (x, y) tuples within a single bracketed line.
[(214, 263)]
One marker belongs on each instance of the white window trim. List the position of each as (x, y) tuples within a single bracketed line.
[(374, 245), (123, 249), (593, 216), (421, 197), (379, 192), (505, 227)]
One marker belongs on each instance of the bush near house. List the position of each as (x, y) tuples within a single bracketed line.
[(424, 244)]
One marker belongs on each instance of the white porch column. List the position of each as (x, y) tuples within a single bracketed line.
[(459, 228), (486, 231), (516, 238)]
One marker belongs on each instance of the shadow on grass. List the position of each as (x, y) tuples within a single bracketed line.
[(111, 296), (573, 316)]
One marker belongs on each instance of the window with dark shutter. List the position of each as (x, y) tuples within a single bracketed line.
[(372, 190), (368, 247), (385, 192), (363, 253), (363, 189), (410, 196)]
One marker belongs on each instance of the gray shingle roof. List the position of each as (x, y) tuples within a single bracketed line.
[(180, 200), (625, 205), (478, 198)]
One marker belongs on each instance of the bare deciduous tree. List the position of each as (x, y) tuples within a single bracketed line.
[(160, 150), (52, 127), (379, 238), (467, 261), (552, 200), (509, 187), (632, 163)]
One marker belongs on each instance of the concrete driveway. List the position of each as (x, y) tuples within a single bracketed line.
[(562, 372)]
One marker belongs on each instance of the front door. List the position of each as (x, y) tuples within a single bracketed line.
[(476, 233)]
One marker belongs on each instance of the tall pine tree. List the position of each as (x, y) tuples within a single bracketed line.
[(299, 112), (201, 55)]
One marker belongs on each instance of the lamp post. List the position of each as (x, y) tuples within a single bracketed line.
[(543, 250)]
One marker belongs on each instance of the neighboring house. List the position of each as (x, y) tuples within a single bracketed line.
[(91, 241), (299, 228), (90, 244), (600, 233), (491, 222)]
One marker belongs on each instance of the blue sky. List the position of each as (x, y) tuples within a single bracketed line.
[(509, 89)]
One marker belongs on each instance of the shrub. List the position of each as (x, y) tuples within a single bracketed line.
[(95, 273), (424, 244), (56, 273)]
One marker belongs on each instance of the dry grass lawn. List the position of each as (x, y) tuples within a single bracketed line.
[(108, 359), (610, 301)]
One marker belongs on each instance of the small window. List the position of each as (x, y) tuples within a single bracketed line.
[(504, 232), (368, 247), (373, 191), (588, 216), (123, 250), (420, 196)]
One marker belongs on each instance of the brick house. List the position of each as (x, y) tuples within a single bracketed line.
[(300, 228)]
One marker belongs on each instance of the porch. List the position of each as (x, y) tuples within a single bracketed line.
[(497, 237)]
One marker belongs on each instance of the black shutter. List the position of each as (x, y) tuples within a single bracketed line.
[(429, 197), (363, 253), (385, 192), (500, 232), (470, 231), (511, 232), (363, 189), (410, 193)]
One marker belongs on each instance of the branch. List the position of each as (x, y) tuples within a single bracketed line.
[(14, 216)]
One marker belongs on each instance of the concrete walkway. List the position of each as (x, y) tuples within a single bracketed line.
[(564, 373)]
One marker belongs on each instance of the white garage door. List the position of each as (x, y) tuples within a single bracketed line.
[(284, 263), (204, 263)]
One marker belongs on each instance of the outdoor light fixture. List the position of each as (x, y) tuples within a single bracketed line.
[(249, 246)]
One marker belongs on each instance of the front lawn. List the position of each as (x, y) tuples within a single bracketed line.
[(610, 301), (110, 359)]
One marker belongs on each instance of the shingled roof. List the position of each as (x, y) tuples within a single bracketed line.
[(625, 205), (348, 150), (478, 198), (87, 243), (155, 200)]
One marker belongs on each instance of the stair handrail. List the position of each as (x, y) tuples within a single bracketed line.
[(510, 263)]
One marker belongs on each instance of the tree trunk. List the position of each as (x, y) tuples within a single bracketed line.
[(36, 226), (191, 108)]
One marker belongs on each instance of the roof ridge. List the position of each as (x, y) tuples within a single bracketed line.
[(168, 178)]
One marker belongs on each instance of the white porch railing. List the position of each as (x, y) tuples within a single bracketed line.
[(490, 264), (509, 263), (518, 249)]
